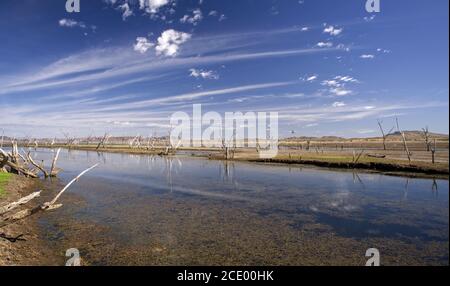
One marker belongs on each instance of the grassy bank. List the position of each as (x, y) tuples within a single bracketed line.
[(395, 167), (4, 179)]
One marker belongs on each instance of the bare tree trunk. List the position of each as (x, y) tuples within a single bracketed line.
[(102, 141), (405, 145), (433, 152), (426, 135), (383, 133)]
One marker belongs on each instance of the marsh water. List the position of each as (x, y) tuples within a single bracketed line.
[(150, 210)]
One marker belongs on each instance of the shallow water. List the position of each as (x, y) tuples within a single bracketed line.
[(144, 210)]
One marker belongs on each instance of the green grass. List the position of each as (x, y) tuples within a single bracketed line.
[(4, 178)]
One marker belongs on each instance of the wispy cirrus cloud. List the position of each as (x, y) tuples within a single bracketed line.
[(108, 63)]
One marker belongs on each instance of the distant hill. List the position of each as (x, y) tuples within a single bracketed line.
[(416, 135), (395, 136)]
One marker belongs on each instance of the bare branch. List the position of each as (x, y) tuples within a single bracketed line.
[(53, 170), (405, 145), (22, 201)]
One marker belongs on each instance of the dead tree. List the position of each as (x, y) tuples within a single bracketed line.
[(171, 148), (151, 141), (11, 161), (356, 157), (405, 145), (103, 141), (426, 137), (69, 140), (53, 171), (136, 141), (228, 149), (8, 219), (19, 164), (308, 145), (88, 140), (384, 134), (433, 152)]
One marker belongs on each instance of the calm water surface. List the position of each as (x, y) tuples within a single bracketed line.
[(144, 210)]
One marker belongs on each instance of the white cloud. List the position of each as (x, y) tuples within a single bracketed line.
[(332, 30), (127, 12), (71, 23), (338, 83), (152, 6), (332, 83), (338, 104), (214, 13), (369, 19), (340, 91), (304, 29), (346, 79), (367, 56), (384, 51), (324, 44), (142, 45), (311, 78), (203, 74), (120, 62), (193, 19), (366, 131), (169, 42), (192, 96)]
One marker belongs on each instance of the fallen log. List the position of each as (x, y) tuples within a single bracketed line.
[(8, 160), (12, 161), (376, 156), (21, 170), (22, 201)]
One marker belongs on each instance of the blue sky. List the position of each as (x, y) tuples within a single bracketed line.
[(327, 66)]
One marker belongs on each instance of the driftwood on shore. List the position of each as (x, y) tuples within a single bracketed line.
[(378, 156), (6, 218)]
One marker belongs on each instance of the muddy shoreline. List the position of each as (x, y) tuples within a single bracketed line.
[(24, 245)]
